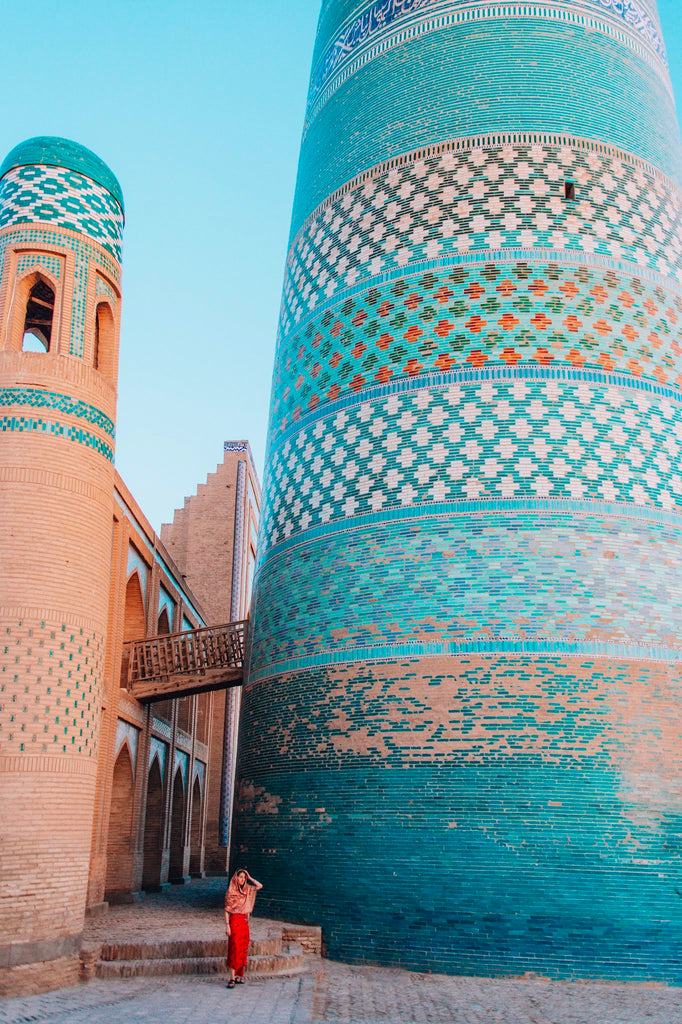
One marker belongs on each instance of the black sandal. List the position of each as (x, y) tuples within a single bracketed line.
[(240, 981), (230, 983)]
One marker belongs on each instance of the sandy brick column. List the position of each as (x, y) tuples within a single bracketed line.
[(461, 725), (61, 219)]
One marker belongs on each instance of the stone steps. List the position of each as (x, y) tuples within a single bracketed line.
[(177, 949), (276, 956), (289, 962)]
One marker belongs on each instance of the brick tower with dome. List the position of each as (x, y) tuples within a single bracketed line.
[(61, 220)]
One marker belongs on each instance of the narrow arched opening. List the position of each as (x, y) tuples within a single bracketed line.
[(134, 625), (39, 318), (163, 708), (177, 832), (163, 623), (195, 858), (153, 830), (121, 841), (104, 346)]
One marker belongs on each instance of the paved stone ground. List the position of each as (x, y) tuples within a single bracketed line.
[(330, 993), (192, 911), (336, 994)]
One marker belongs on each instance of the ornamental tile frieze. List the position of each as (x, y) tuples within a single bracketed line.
[(433, 211), (388, 23), (521, 437)]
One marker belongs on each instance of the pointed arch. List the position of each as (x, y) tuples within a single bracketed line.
[(163, 623), (134, 619), (120, 842), (39, 317), (153, 828), (34, 299), (196, 829), (104, 349), (177, 829)]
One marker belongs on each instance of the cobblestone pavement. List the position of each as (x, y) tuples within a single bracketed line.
[(329, 993), (334, 993)]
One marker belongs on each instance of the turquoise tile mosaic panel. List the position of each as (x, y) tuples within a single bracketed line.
[(557, 77), (462, 713)]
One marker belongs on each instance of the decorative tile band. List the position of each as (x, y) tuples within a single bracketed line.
[(36, 398), (560, 647), (487, 372), (487, 200), (495, 574), (485, 318), (494, 438), (29, 424), (489, 507), (390, 23)]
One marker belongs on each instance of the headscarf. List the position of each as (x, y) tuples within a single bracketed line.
[(240, 899)]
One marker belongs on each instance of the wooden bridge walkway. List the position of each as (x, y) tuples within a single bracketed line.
[(179, 664)]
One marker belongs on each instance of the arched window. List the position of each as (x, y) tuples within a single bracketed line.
[(103, 357), (39, 317)]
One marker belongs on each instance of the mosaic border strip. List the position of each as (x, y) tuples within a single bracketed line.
[(21, 424), (432, 211), (390, 23), (553, 646), (467, 144), (493, 508), (53, 400), (492, 372), (64, 199)]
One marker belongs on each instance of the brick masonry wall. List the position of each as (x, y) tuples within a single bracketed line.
[(56, 482), (461, 726), (202, 539)]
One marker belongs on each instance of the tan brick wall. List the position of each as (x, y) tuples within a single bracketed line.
[(56, 495), (32, 979), (201, 539)]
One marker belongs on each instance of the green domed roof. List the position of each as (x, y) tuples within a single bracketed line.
[(56, 152)]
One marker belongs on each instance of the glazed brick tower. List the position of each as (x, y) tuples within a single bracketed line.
[(461, 725), (61, 218)]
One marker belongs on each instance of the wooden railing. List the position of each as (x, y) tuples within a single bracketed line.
[(179, 664)]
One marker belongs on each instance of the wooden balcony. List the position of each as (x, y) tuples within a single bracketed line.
[(180, 664)]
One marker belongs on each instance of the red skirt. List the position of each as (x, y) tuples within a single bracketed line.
[(238, 944)]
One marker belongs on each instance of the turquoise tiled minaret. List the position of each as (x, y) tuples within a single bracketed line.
[(462, 719)]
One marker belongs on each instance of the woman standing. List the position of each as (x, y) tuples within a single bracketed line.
[(239, 900)]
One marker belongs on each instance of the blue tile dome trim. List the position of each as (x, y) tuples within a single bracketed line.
[(58, 152)]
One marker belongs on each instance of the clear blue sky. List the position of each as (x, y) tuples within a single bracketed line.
[(197, 108)]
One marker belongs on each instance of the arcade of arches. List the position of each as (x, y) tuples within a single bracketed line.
[(160, 816)]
